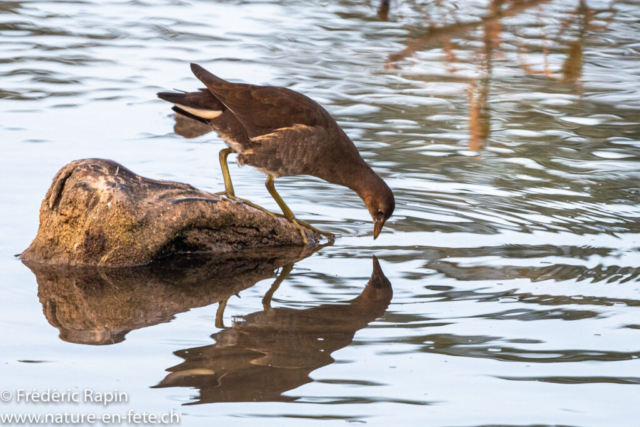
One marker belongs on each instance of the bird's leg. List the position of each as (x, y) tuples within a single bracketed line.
[(266, 301), (228, 185), (285, 209), (289, 215), (220, 314)]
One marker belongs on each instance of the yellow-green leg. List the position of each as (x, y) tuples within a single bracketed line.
[(228, 185), (220, 314), (285, 209), (230, 193), (289, 215), (266, 301)]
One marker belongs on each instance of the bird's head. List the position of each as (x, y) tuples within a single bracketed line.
[(378, 290), (380, 203)]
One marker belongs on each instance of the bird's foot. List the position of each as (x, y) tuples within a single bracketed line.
[(298, 223), (312, 228), (253, 205), (248, 203), (300, 227)]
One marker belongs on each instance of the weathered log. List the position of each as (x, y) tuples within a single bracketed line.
[(97, 212)]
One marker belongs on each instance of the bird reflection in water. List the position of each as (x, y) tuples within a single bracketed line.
[(266, 353)]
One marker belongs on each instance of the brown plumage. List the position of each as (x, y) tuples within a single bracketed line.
[(283, 133)]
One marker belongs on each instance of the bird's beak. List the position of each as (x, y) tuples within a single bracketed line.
[(377, 228)]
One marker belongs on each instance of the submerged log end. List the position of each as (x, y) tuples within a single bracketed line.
[(98, 212)]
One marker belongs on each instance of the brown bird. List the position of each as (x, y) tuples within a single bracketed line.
[(282, 133)]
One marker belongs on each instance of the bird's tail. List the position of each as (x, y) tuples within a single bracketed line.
[(201, 106), (206, 77)]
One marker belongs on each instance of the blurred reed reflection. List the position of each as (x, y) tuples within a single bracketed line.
[(567, 36), (266, 353), (383, 10), (101, 306)]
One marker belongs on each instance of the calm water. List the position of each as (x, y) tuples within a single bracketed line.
[(509, 132)]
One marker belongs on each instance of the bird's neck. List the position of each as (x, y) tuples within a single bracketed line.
[(350, 170), (365, 182)]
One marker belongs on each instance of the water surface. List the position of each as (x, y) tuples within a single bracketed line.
[(509, 132)]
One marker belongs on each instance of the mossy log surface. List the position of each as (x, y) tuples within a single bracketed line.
[(98, 212)]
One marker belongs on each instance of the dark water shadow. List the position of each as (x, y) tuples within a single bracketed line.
[(578, 380), (188, 128), (99, 306), (269, 352)]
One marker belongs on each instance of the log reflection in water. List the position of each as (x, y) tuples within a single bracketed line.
[(100, 306)]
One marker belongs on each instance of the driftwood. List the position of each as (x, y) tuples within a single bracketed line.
[(97, 212)]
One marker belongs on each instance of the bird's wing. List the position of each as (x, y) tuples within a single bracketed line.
[(264, 109), (288, 151)]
